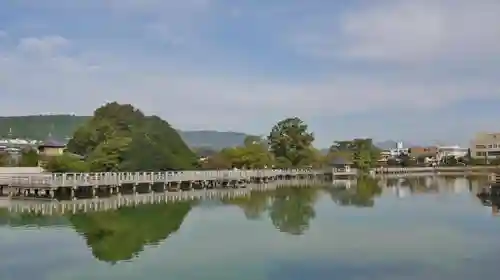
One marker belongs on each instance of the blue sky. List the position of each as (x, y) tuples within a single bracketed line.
[(422, 71)]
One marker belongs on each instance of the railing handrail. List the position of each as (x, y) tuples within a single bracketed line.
[(96, 178)]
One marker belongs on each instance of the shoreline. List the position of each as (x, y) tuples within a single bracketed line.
[(439, 170)]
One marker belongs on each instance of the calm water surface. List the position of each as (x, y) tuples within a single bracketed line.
[(427, 228)]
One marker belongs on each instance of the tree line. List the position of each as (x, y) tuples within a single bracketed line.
[(119, 137), (289, 145)]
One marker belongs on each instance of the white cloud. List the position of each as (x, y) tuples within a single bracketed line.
[(170, 64), (45, 45), (409, 32), (50, 80)]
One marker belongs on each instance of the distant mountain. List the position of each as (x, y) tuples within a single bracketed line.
[(62, 127), (39, 127), (213, 139)]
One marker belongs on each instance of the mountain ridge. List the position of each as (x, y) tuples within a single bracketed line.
[(62, 127)]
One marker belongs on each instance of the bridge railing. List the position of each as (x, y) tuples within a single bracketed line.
[(118, 178)]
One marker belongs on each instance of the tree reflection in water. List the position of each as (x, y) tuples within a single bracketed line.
[(292, 209), (121, 234), (360, 195)]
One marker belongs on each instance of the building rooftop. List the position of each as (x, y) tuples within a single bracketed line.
[(52, 143)]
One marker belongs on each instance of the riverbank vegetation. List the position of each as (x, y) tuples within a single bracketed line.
[(119, 137)]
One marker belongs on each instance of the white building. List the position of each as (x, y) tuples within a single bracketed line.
[(398, 150), (451, 151)]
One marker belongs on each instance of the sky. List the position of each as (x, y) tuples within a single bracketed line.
[(421, 71)]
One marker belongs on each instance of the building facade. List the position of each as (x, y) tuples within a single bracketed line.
[(485, 145), (419, 152), (451, 151), (400, 149)]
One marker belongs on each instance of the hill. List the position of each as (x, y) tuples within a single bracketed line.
[(62, 127), (120, 137), (38, 127)]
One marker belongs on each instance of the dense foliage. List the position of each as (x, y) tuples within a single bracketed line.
[(360, 151), (28, 158), (290, 142), (120, 137), (289, 145)]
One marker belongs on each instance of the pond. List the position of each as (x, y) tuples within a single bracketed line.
[(413, 228)]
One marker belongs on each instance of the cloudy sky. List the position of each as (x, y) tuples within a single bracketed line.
[(424, 70)]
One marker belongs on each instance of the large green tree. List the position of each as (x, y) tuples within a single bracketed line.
[(66, 163), (290, 142), (254, 154), (119, 137)]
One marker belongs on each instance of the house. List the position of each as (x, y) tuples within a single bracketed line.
[(51, 147), (341, 165)]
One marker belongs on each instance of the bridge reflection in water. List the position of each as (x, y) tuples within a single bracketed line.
[(118, 228), (51, 207)]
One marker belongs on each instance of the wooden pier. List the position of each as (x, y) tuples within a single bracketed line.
[(49, 185)]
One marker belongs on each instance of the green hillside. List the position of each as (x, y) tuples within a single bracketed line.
[(63, 126), (39, 127)]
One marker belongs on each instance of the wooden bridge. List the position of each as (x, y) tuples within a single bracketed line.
[(49, 184)]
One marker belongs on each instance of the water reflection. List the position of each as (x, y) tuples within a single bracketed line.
[(292, 209), (319, 211), (361, 195), (493, 202), (121, 234)]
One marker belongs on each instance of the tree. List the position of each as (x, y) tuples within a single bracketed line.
[(252, 155), (29, 158), (315, 158), (450, 160), (217, 161), (405, 160), (290, 141), (66, 163), (120, 137), (4, 159), (360, 150)]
